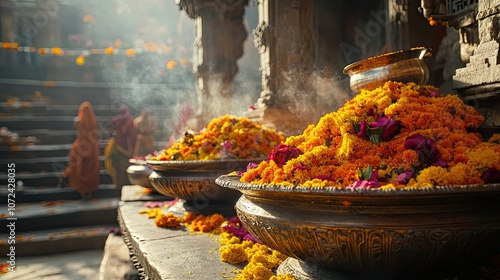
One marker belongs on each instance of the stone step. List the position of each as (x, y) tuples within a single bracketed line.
[(40, 150), (51, 215), (49, 193), (48, 137), (15, 123), (74, 93), (44, 164), (56, 241), (49, 178)]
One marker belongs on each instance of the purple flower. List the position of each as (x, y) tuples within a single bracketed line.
[(370, 112), (283, 153), (300, 167), (234, 220), (390, 127), (490, 176), (382, 129), (362, 129), (235, 227), (368, 179), (440, 163), (364, 184), (251, 165), (426, 149), (324, 177), (226, 149), (252, 238), (405, 176)]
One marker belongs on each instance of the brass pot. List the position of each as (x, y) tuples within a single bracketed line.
[(387, 234), (200, 189), (195, 180), (138, 174), (401, 66)]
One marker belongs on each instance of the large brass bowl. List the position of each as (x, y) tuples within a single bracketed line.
[(400, 66), (386, 234), (195, 180)]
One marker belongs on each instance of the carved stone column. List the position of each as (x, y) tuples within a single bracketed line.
[(479, 81), (220, 34), (285, 40)]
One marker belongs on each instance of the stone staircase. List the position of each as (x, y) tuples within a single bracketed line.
[(48, 219)]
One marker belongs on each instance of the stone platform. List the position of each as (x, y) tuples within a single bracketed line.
[(161, 253)]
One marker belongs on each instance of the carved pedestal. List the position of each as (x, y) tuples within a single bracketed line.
[(220, 34), (479, 81)]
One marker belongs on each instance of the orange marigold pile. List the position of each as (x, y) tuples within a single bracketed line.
[(197, 223), (225, 137), (397, 135)]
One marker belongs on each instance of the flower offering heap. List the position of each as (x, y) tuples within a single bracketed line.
[(225, 137), (395, 136)]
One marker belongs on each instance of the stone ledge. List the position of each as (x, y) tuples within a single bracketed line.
[(161, 253)]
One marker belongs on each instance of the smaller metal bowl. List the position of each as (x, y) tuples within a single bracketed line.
[(194, 188), (400, 66), (195, 180), (138, 174)]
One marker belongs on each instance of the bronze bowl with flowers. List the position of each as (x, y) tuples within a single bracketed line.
[(399, 66), (339, 233), (194, 180)]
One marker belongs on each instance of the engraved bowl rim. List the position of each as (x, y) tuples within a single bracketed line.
[(233, 182), (174, 165)]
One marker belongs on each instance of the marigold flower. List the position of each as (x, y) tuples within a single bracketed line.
[(423, 133), (244, 138)]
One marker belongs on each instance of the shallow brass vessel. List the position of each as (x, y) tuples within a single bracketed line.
[(195, 180), (353, 234), (400, 66)]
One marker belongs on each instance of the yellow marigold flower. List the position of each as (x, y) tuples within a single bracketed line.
[(481, 159), (255, 271), (168, 221), (462, 174), (56, 51), (109, 51), (233, 253), (80, 60), (348, 145), (433, 175), (340, 143), (130, 52), (225, 136)]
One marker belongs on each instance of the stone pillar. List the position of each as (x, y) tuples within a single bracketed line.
[(479, 81), (220, 34), (285, 39)]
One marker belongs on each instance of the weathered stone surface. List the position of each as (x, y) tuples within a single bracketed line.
[(218, 45), (137, 193), (173, 253), (481, 74)]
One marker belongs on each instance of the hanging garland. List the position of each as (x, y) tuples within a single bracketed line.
[(149, 47)]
